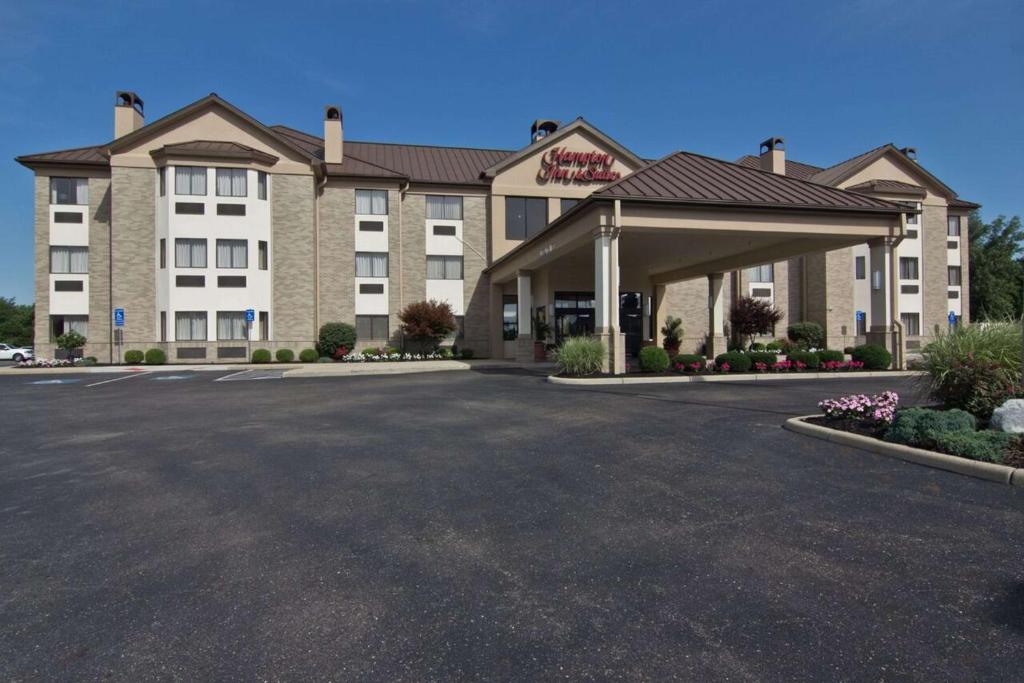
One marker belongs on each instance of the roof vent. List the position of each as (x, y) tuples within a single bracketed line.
[(126, 98), (542, 128), (127, 113), (772, 144), (773, 156), (910, 153)]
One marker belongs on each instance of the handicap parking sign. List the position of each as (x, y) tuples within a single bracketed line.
[(952, 318), (119, 317), (250, 315), (860, 315)]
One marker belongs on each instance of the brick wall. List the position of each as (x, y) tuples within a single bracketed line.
[(476, 295), (133, 257), (43, 347), (100, 310), (934, 276), (292, 264), (337, 255)]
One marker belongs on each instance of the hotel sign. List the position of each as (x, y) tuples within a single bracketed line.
[(561, 164)]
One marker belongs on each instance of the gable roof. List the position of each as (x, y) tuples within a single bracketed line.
[(579, 124), (794, 169), (214, 149), (695, 179), (94, 155), (885, 186), (834, 175)]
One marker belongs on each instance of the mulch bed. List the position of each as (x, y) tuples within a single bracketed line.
[(850, 424)]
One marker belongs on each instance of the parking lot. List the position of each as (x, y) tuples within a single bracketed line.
[(200, 525)]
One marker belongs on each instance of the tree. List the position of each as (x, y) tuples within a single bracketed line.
[(17, 322), (750, 317), (336, 339), (70, 342), (672, 332), (996, 272), (428, 322)]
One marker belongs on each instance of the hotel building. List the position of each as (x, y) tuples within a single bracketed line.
[(182, 225)]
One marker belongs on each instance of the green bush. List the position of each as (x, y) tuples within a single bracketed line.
[(974, 367), (366, 353), (334, 336), (873, 356), (579, 356), (467, 354), (848, 350), (284, 355), (134, 357), (155, 357), (261, 356), (653, 359), (324, 359), (761, 357), (806, 335), (308, 355), (738, 362), (757, 346), (921, 427), (831, 356), (88, 361), (809, 358), (985, 446), (688, 359), (773, 345), (445, 353)]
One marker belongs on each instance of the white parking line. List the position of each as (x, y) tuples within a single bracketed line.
[(116, 379), (234, 374)]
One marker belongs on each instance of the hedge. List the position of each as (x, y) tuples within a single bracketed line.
[(653, 359), (985, 446), (809, 358), (831, 356), (921, 427), (308, 355), (155, 357), (762, 357), (284, 355), (134, 357), (738, 362), (807, 335), (873, 357), (261, 356)]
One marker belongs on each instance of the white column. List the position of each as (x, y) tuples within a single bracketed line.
[(524, 291), (716, 315), (879, 257), (602, 281)]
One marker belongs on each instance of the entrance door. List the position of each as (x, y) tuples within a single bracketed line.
[(631, 320), (574, 314)]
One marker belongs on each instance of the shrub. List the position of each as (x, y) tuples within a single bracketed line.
[(761, 357), (155, 357), (985, 446), (467, 354), (70, 342), (921, 427), (806, 335), (757, 346), (848, 350), (261, 356), (974, 367), (580, 356), (737, 362), (879, 408), (830, 356), (88, 361), (749, 317), (134, 357), (366, 353), (653, 359), (672, 334), (810, 359), (324, 359), (445, 353), (428, 322), (308, 355), (773, 345), (334, 336), (688, 359), (873, 356), (284, 355)]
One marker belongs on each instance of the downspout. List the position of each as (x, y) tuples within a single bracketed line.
[(318, 192), (803, 289), (894, 297), (401, 262)]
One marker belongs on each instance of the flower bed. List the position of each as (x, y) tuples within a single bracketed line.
[(703, 367), (390, 355), (48, 363)]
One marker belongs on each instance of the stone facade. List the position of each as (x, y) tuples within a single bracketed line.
[(476, 295), (337, 255), (133, 256), (412, 269), (44, 347), (100, 311), (292, 259), (934, 274)]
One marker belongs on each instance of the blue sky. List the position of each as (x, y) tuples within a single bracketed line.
[(833, 79)]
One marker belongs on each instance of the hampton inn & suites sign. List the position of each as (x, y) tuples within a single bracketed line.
[(561, 164)]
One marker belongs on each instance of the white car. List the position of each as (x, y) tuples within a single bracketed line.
[(15, 353)]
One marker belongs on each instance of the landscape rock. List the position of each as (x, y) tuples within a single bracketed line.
[(1009, 417)]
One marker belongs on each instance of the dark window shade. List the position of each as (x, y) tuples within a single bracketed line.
[(230, 352), (190, 280), (371, 288), (231, 209), (67, 217), (953, 294), (262, 254), (762, 293), (371, 226), (952, 245), (525, 217), (566, 204), (191, 352), (860, 265), (909, 289), (67, 286), (372, 327), (231, 281), (912, 234), (444, 230), (163, 252), (189, 208)]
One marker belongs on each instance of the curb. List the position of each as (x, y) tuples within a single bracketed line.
[(686, 379), (950, 463)]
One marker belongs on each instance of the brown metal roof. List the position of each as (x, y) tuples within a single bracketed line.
[(794, 169), (697, 179), (884, 186), (958, 203), (214, 149), (418, 163), (93, 155)]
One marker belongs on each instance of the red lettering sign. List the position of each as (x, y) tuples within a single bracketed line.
[(561, 164)]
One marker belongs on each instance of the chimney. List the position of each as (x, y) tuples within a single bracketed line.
[(127, 113), (542, 128), (910, 153), (333, 153), (773, 156)]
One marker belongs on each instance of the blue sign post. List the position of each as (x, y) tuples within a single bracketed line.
[(250, 315), (860, 316), (952, 319), (118, 317)]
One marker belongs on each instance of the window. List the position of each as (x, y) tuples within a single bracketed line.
[(68, 286), (908, 268), (911, 234), (261, 184), (509, 317), (190, 208), (911, 323), (190, 326), (372, 202), (262, 255), (371, 226), (232, 254), (189, 280), (231, 325), (953, 226), (163, 253), (371, 327), (161, 173), (69, 190), (189, 253), (190, 180), (861, 267), (371, 288), (912, 217), (230, 209), (566, 204), (231, 182), (264, 326), (62, 324), (163, 326), (953, 273), (69, 259), (525, 217), (67, 217), (444, 267), (371, 264), (444, 230), (765, 273), (446, 208)]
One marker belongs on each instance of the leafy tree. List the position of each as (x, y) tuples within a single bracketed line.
[(70, 341), (428, 322), (750, 317), (336, 339), (996, 272), (17, 322), (672, 333)]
